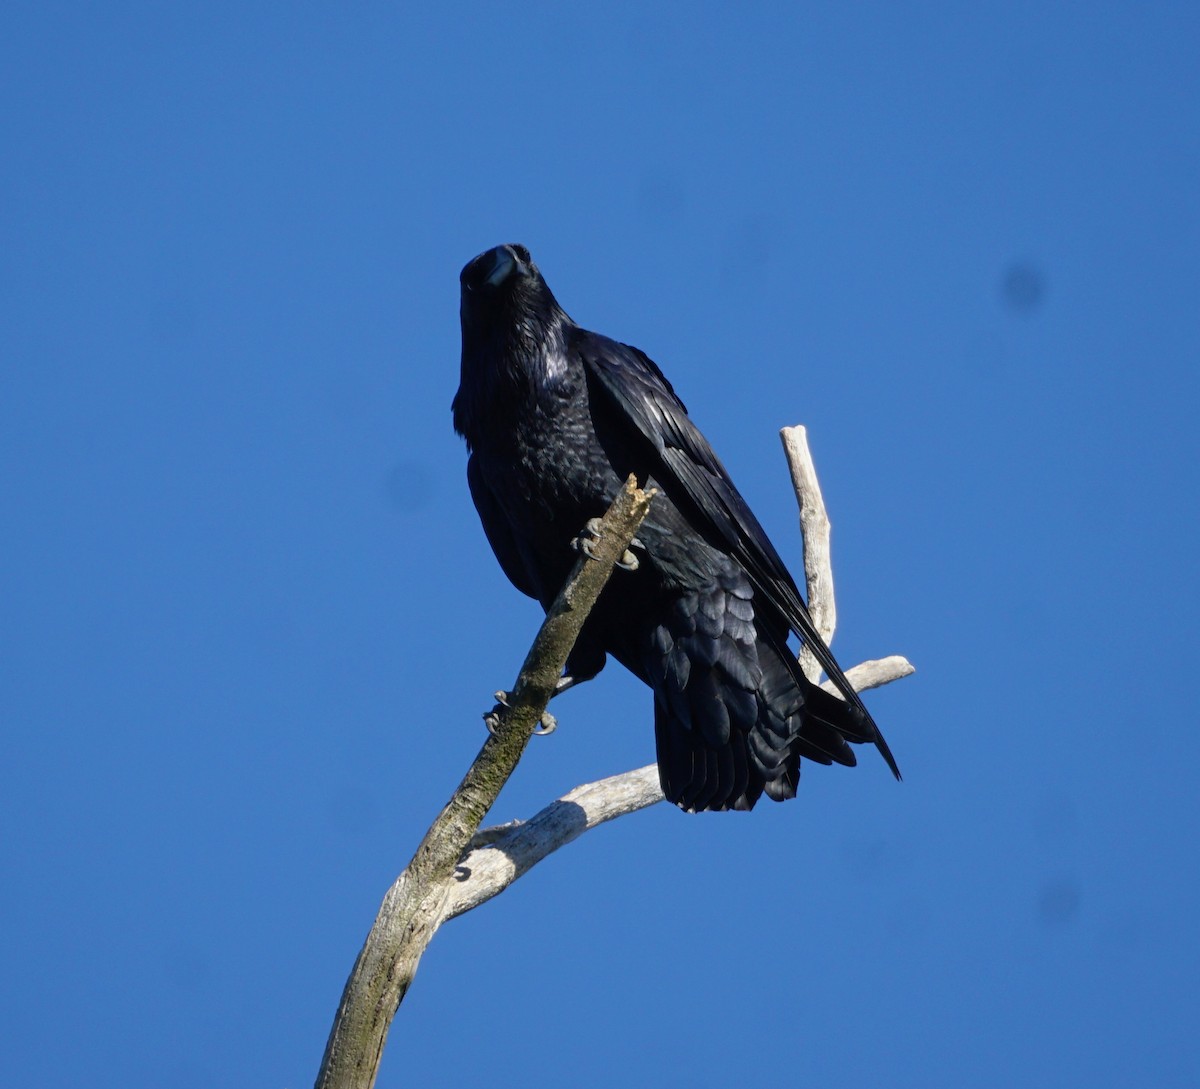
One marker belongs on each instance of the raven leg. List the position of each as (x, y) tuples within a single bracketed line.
[(583, 663)]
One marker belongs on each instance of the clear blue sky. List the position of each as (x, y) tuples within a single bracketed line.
[(249, 622)]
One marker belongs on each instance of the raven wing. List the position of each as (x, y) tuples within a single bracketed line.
[(640, 396)]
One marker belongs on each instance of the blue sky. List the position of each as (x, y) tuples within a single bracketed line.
[(250, 621)]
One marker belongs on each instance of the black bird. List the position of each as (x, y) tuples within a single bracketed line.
[(556, 418)]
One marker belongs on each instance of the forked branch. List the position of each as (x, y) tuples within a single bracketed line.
[(456, 867)]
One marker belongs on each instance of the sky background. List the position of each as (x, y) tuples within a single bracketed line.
[(249, 621)]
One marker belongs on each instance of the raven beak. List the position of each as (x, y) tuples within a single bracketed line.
[(506, 263)]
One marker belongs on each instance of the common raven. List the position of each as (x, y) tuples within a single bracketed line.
[(555, 418)]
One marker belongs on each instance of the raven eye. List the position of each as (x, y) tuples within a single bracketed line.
[(522, 254)]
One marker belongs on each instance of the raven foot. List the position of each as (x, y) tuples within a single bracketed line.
[(592, 532), (547, 725)]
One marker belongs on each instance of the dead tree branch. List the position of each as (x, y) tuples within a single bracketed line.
[(457, 867), (815, 532)]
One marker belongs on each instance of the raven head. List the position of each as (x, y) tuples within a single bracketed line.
[(512, 334), (503, 290), (505, 302)]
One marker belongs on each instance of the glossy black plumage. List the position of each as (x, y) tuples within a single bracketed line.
[(555, 418)]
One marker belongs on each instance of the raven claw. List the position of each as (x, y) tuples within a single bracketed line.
[(592, 531), (491, 719), (628, 561)]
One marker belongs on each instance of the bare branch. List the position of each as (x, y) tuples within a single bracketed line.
[(495, 864), (875, 673), (412, 910), (815, 533)]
